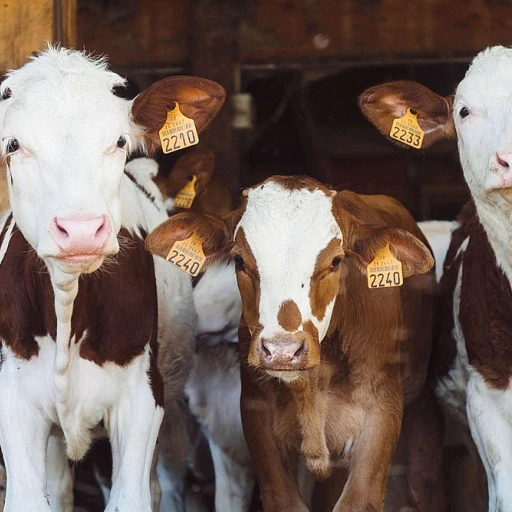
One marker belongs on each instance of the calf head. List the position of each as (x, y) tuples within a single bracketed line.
[(290, 240), (66, 136), (478, 114)]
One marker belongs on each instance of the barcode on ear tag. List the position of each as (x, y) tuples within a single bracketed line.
[(178, 131), (185, 197), (385, 271), (407, 130), (187, 255)]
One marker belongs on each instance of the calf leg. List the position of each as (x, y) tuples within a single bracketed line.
[(372, 453), (23, 438), (423, 433), (173, 449), (59, 476), (490, 419), (133, 425), (278, 489), (234, 482)]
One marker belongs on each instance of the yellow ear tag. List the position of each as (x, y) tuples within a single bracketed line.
[(407, 130), (178, 131), (185, 197), (385, 270), (187, 255)]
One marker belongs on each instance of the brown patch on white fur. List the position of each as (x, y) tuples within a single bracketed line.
[(289, 316)]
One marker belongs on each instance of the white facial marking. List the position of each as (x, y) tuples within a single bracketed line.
[(286, 230), (486, 92), (485, 144), (60, 128)]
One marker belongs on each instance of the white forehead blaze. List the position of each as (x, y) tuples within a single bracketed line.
[(286, 230), (486, 91)]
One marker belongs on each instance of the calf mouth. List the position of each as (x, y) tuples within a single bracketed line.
[(285, 375)]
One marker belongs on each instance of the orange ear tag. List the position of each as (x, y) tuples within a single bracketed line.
[(385, 270), (407, 130), (185, 197), (187, 255), (178, 131)]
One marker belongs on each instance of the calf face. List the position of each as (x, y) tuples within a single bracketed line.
[(289, 240), (478, 114), (66, 136)]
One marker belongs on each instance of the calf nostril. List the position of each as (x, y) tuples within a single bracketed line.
[(300, 351), (60, 228), (101, 228), (266, 351), (502, 162)]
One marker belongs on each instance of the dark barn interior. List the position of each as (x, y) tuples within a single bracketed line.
[(293, 70)]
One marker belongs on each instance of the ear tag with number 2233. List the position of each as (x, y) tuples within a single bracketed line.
[(407, 130), (178, 131), (385, 270)]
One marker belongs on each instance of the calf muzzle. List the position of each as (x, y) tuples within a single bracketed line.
[(284, 352)]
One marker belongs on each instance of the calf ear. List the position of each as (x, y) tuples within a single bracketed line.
[(199, 163), (211, 230), (198, 98), (384, 103), (416, 258)]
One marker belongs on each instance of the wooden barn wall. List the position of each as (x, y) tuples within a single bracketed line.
[(157, 32)]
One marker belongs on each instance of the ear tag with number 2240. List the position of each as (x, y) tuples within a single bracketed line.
[(187, 255), (385, 270)]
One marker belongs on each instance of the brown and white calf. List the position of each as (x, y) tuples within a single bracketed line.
[(474, 353), (94, 331), (327, 363)]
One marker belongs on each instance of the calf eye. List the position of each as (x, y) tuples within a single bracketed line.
[(464, 112), (12, 146), (239, 263), (121, 142), (335, 263)]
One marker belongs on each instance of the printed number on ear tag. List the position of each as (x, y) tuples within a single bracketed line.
[(385, 270), (178, 131), (187, 255), (407, 130), (185, 197)]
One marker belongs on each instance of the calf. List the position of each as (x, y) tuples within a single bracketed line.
[(326, 362), (94, 332), (213, 386), (474, 353)]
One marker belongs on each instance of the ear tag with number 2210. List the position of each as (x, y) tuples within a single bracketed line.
[(385, 270), (407, 130), (178, 131)]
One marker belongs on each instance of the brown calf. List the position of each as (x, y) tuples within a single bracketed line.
[(327, 362)]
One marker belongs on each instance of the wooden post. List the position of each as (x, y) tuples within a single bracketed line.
[(214, 54), (26, 26)]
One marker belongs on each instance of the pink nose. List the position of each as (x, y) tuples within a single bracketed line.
[(80, 234), (286, 352)]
